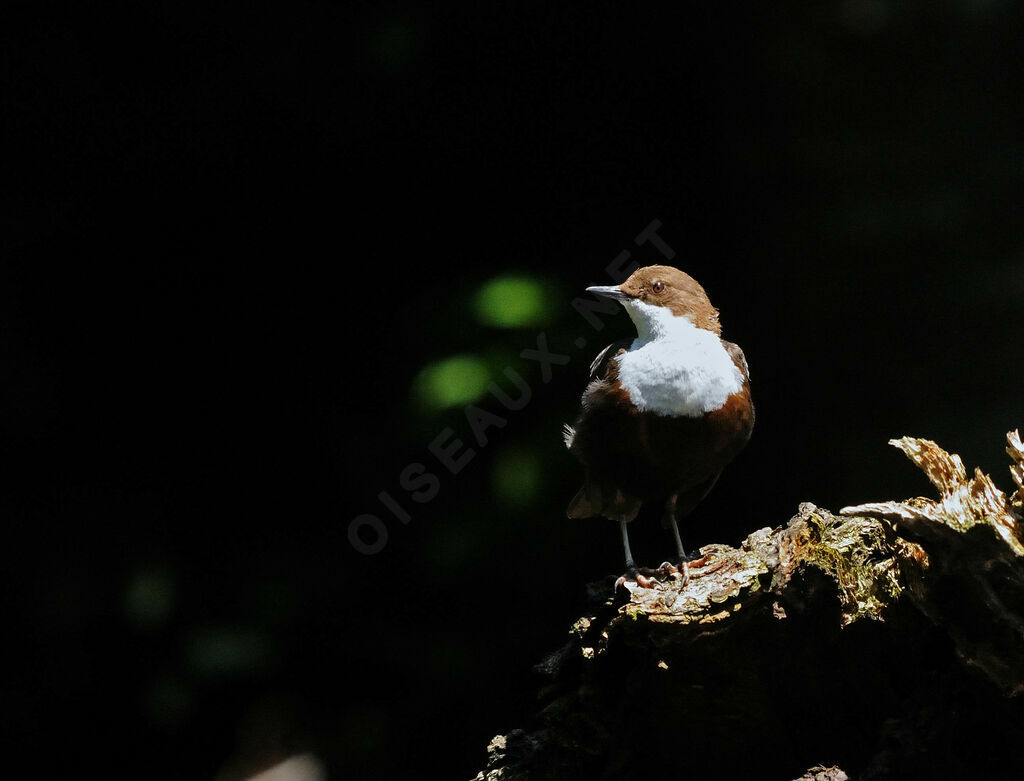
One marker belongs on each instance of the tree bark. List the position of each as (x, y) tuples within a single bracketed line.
[(886, 641)]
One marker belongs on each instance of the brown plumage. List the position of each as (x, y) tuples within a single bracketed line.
[(635, 455)]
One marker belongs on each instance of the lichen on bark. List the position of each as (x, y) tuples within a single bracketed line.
[(855, 638), (973, 534)]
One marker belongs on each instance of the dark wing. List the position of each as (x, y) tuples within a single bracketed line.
[(737, 357), (598, 371), (597, 496), (599, 366)]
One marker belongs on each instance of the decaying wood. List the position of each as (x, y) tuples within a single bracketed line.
[(1015, 450), (874, 639), (964, 503), (974, 541)]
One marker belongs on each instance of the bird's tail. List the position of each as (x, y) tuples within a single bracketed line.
[(608, 502)]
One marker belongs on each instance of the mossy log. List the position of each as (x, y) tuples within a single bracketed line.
[(885, 642)]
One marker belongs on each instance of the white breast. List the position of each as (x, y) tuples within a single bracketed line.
[(674, 368)]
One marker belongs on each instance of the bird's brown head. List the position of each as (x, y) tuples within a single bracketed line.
[(668, 287)]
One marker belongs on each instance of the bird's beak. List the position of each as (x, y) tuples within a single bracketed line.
[(609, 291)]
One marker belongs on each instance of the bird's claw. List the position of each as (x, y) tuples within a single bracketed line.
[(643, 578), (645, 582), (652, 578)]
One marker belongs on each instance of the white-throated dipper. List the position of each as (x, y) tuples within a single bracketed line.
[(663, 414)]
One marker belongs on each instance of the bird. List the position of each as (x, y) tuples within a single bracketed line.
[(662, 414)]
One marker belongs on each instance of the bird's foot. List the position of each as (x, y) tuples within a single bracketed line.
[(642, 576), (645, 577), (695, 559), (682, 569), (670, 570), (649, 578)]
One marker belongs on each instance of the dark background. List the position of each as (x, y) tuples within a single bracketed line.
[(235, 234)]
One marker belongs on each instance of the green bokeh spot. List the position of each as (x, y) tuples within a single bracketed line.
[(149, 598), (453, 381), (226, 650), (517, 476), (512, 302)]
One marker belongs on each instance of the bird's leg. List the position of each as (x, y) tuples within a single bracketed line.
[(630, 564), (670, 516), (631, 568)]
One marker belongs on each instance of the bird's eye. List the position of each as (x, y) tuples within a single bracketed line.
[(658, 287)]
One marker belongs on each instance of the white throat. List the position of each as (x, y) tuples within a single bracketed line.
[(674, 368)]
